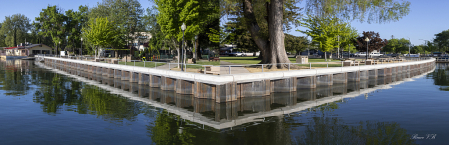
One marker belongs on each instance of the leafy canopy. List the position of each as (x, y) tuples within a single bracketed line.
[(326, 30), (101, 32)]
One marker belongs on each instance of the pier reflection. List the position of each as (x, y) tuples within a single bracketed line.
[(440, 76), (244, 110), (176, 117)]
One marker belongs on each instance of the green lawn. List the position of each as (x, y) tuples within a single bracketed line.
[(253, 60), (141, 64)]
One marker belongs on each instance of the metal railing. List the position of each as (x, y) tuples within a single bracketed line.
[(228, 68)]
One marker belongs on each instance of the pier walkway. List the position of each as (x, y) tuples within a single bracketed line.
[(227, 88)]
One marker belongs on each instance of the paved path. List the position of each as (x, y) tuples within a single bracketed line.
[(166, 66), (234, 70)]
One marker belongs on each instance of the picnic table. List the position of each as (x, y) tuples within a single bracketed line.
[(208, 69)]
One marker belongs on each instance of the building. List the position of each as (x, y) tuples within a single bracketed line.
[(140, 40), (28, 49)]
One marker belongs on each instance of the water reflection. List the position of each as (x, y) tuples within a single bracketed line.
[(223, 115), (183, 119), (440, 76)]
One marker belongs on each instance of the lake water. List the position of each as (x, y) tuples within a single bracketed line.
[(39, 105)]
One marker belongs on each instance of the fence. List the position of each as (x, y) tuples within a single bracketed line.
[(229, 68)]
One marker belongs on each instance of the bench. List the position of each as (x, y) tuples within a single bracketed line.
[(350, 63), (214, 59), (371, 62), (215, 70)]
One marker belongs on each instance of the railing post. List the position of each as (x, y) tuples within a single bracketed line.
[(327, 64), (288, 66), (229, 69), (143, 63), (134, 63), (310, 67), (169, 67), (155, 64), (262, 67)]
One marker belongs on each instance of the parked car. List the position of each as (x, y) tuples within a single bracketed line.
[(237, 54)]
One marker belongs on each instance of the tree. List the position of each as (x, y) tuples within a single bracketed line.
[(101, 32), (14, 29), (126, 14), (196, 14), (377, 11), (75, 22), (295, 43), (2, 37), (325, 32), (397, 45), (375, 42), (50, 23), (278, 14), (442, 39), (418, 49)]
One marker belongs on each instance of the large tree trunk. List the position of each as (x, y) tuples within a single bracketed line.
[(277, 48), (272, 50)]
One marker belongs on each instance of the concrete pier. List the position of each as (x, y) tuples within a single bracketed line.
[(167, 83), (324, 80), (229, 88), (125, 76), (340, 78), (353, 76), (284, 85), (306, 82), (372, 74), (144, 79), (155, 81), (133, 77), (255, 88)]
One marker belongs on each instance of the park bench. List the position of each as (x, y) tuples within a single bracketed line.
[(214, 59), (350, 63), (215, 70)]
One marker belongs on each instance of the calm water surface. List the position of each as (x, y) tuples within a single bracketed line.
[(40, 105)]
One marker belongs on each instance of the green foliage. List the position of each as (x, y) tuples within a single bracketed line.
[(50, 23), (374, 43), (196, 14), (442, 40), (101, 32), (75, 22), (14, 29), (125, 14), (325, 31), (378, 11), (397, 46), (295, 43)]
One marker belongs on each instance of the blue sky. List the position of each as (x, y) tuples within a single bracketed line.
[(426, 17)]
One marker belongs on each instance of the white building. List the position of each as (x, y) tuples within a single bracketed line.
[(140, 40)]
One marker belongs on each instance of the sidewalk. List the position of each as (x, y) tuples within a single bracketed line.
[(234, 70)]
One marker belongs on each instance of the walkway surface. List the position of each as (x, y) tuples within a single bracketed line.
[(234, 69), (167, 66)]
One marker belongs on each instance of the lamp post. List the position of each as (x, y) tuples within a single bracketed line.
[(409, 46), (59, 46), (196, 49), (367, 41), (183, 28), (81, 51)]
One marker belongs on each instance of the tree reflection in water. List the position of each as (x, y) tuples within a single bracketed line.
[(56, 92), (440, 76)]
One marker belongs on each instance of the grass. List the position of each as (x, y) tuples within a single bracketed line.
[(254, 60), (142, 64)]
